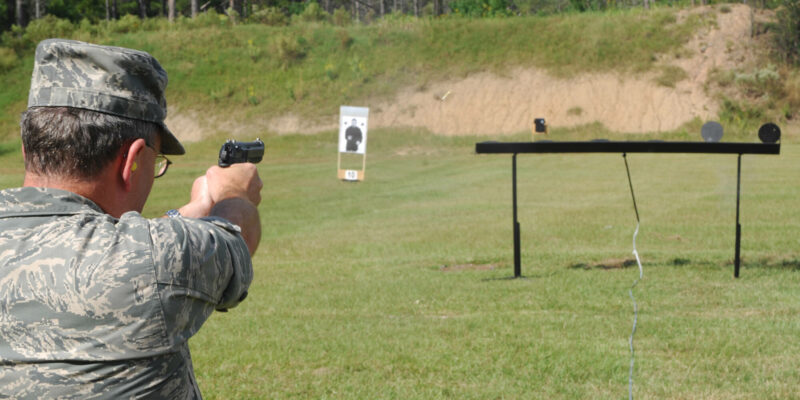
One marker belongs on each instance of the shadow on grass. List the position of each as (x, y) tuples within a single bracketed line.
[(791, 263), (611, 263), (623, 263), (535, 274), (507, 278), (785, 264), (489, 266)]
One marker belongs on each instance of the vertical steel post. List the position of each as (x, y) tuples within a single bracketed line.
[(736, 259), (517, 258)]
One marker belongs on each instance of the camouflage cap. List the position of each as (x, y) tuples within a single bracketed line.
[(113, 80)]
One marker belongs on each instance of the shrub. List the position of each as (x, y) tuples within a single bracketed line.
[(760, 82), (233, 14), (480, 8), (158, 24), (740, 117), (330, 72), (88, 28), (575, 111), (792, 90), (24, 39), (426, 10), (787, 35), (251, 96), (671, 75), (312, 13), (222, 93), (13, 38), (370, 16), (206, 19), (253, 51), (289, 50), (271, 16), (8, 59), (341, 17), (47, 27), (345, 40), (128, 23)]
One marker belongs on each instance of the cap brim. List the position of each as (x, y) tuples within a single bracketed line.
[(169, 143)]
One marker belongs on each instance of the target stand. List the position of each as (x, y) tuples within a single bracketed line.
[(352, 142), (768, 133), (351, 175)]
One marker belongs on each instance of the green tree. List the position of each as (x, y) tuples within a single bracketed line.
[(480, 8), (75, 10), (6, 14), (787, 37)]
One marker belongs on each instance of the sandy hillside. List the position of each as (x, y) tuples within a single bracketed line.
[(488, 104)]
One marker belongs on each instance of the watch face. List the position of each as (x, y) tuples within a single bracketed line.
[(173, 213)]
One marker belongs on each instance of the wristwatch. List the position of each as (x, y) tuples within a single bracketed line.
[(173, 213)]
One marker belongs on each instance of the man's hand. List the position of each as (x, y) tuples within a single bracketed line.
[(237, 180), (201, 203), (235, 192), (231, 193)]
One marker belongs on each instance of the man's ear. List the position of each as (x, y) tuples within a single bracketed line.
[(130, 162), (24, 159)]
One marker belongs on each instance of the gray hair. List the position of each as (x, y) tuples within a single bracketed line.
[(77, 143)]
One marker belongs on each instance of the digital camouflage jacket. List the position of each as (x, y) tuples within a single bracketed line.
[(97, 307)]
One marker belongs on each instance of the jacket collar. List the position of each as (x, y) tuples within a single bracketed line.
[(44, 201)]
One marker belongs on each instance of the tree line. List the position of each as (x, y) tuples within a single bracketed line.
[(15, 15), (22, 12)]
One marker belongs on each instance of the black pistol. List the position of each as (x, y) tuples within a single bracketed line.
[(233, 152)]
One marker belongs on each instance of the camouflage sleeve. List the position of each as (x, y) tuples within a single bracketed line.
[(201, 265)]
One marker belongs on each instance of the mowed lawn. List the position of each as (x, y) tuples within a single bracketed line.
[(400, 287)]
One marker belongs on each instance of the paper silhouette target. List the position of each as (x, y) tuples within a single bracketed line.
[(352, 134), (352, 140)]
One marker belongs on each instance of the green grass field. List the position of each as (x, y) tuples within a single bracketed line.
[(398, 287)]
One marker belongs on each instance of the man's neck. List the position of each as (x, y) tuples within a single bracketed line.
[(97, 191)]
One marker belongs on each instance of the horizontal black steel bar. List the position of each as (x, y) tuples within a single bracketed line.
[(605, 146)]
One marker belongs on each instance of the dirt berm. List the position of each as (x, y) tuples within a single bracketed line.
[(485, 103)]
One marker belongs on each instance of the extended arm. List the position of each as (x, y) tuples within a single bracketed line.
[(232, 193)]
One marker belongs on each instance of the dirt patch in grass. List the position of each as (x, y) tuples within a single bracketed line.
[(611, 263)]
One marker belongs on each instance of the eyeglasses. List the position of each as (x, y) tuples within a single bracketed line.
[(162, 164)]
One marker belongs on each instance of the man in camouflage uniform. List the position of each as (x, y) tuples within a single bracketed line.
[(95, 300)]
